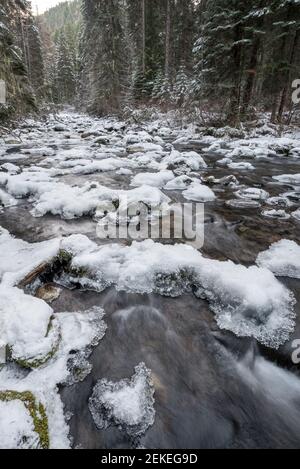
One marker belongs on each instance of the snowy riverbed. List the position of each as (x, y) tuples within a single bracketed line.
[(148, 333)]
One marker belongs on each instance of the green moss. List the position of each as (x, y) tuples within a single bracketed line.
[(64, 257), (37, 412)]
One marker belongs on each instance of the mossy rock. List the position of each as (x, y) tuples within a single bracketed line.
[(37, 362), (36, 410)]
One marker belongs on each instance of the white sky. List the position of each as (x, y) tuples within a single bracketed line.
[(44, 5)]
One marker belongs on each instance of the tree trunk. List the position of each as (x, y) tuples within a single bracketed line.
[(168, 40), (233, 116), (143, 38), (249, 86), (287, 85)]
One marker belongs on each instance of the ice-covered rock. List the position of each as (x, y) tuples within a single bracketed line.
[(248, 301), (128, 404)]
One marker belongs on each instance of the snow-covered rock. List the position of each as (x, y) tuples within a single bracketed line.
[(152, 179), (292, 179), (252, 193), (199, 193), (282, 258), (280, 214), (185, 161)]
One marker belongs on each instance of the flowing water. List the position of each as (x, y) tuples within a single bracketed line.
[(212, 389)]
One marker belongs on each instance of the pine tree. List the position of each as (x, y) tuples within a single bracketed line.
[(35, 60), (65, 81), (107, 57), (13, 71)]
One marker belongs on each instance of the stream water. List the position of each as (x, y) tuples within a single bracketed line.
[(212, 388)]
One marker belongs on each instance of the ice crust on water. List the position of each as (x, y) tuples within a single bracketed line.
[(128, 404), (282, 258), (248, 301)]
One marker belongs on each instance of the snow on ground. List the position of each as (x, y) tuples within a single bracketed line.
[(16, 427), (282, 258)]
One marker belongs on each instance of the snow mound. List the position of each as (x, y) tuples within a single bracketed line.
[(16, 427), (152, 179), (128, 403), (296, 215), (180, 183), (18, 258), (199, 193), (282, 258), (24, 326), (279, 214), (6, 200)]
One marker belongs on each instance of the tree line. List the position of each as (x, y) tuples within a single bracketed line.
[(226, 58)]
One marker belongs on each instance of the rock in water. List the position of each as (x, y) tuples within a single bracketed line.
[(48, 293)]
